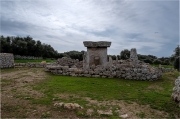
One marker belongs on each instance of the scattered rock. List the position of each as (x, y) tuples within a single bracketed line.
[(89, 112), (106, 112), (124, 116), (70, 106)]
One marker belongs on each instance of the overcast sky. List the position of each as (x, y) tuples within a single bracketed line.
[(150, 26)]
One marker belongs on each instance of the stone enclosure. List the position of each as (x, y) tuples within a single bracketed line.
[(95, 65)]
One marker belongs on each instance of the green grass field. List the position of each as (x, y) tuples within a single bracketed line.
[(157, 94), (39, 60)]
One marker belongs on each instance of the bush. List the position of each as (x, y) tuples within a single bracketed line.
[(176, 63), (148, 61), (166, 62), (157, 61)]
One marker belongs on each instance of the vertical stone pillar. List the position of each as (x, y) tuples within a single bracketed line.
[(133, 56), (96, 53)]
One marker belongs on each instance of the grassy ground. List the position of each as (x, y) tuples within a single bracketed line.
[(39, 60), (157, 94), (139, 99), (165, 66)]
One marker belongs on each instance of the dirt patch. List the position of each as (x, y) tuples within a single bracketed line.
[(133, 110), (155, 87), (119, 107), (17, 92)]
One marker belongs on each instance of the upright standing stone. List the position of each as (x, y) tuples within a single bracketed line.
[(110, 61), (84, 60), (96, 53), (133, 56)]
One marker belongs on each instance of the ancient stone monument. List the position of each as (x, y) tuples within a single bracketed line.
[(96, 53), (95, 64), (6, 60)]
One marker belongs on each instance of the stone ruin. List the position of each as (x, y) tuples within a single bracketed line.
[(176, 91), (96, 53), (95, 64), (6, 60), (65, 61)]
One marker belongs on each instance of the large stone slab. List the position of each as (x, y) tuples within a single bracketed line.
[(97, 44)]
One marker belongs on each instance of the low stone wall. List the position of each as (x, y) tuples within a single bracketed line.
[(6, 60), (26, 57), (119, 71), (164, 70), (176, 91), (35, 65)]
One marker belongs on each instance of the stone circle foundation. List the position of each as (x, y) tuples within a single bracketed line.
[(6, 60)]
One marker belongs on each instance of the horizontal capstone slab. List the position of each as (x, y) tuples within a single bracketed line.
[(97, 44)]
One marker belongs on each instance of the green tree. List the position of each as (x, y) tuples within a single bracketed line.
[(150, 61), (125, 54), (157, 61), (177, 51)]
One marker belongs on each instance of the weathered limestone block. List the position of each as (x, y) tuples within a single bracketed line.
[(133, 56), (6, 60), (110, 61), (70, 106), (97, 44), (176, 91)]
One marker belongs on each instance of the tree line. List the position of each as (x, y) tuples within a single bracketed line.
[(26, 46)]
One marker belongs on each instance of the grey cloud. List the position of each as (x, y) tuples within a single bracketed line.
[(65, 24), (13, 27)]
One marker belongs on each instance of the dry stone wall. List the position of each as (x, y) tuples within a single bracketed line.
[(176, 91), (26, 57), (33, 65), (125, 69), (6, 60)]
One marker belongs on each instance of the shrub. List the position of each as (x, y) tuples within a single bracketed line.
[(157, 61), (166, 62), (148, 61)]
